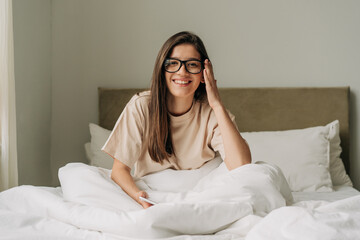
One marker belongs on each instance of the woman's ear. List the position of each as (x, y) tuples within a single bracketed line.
[(202, 78)]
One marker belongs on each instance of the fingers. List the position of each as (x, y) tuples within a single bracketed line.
[(208, 73), (210, 85), (146, 205), (143, 203), (144, 194), (141, 194), (207, 64)]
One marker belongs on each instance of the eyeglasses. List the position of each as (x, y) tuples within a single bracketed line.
[(172, 65)]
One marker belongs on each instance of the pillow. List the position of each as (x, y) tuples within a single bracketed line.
[(303, 155), (88, 151), (337, 169), (338, 174), (99, 136)]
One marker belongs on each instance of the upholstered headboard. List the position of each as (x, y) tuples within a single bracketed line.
[(261, 109)]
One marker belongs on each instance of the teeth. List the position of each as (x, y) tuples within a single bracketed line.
[(181, 82)]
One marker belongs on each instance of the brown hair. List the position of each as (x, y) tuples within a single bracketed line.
[(160, 145)]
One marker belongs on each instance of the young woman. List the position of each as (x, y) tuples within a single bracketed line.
[(180, 123)]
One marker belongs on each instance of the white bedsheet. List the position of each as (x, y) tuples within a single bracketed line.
[(335, 220), (339, 193), (208, 203)]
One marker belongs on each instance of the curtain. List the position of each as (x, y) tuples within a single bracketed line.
[(8, 166)]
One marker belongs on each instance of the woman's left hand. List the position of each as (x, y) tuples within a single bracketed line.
[(211, 88)]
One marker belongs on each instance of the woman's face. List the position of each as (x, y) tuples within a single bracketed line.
[(182, 84)]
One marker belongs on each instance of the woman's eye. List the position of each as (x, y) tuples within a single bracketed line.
[(171, 63), (193, 64)]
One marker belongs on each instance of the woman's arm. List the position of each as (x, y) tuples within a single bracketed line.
[(121, 175), (237, 152)]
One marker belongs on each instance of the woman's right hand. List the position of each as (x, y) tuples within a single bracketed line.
[(121, 175), (142, 203)]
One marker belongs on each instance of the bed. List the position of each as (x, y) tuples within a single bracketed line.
[(297, 187)]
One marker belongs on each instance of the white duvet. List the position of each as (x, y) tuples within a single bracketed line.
[(209, 203)]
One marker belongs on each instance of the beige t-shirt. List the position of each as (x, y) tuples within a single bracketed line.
[(196, 137)]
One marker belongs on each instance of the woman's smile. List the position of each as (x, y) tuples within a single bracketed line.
[(182, 82)]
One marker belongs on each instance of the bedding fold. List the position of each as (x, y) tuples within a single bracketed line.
[(93, 202), (312, 220)]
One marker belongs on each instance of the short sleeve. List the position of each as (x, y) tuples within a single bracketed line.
[(125, 140), (216, 140)]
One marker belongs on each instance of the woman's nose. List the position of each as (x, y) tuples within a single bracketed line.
[(182, 69)]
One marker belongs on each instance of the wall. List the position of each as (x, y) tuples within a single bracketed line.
[(255, 43), (32, 60)]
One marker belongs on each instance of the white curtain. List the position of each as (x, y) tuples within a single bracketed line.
[(8, 167)]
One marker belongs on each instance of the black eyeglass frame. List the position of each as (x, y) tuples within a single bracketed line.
[(183, 62)]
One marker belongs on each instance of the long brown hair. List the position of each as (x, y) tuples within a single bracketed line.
[(160, 145)]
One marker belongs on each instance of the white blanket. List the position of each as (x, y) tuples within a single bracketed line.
[(313, 220), (248, 202), (203, 201)]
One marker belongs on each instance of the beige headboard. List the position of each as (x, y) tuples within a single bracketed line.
[(261, 109)]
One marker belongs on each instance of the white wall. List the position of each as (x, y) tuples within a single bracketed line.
[(32, 60), (259, 43)]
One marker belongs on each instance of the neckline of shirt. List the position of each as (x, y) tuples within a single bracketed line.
[(184, 116)]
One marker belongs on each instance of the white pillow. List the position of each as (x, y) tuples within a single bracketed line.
[(303, 155), (88, 152), (338, 174), (337, 169), (99, 136)]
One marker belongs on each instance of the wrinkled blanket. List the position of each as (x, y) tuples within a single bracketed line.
[(311, 220), (203, 201), (252, 202)]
